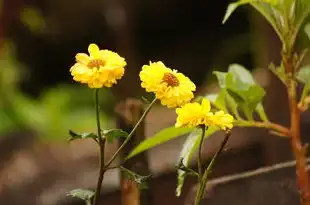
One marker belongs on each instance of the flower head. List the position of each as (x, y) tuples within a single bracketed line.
[(172, 88), (99, 68), (195, 114)]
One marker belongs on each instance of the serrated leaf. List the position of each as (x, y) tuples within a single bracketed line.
[(189, 147), (77, 136), (303, 74), (114, 134), (139, 179), (159, 138), (83, 194)]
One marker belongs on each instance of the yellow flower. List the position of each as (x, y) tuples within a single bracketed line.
[(172, 88), (99, 68), (222, 120), (195, 114)]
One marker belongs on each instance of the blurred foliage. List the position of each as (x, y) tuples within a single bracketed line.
[(49, 116), (33, 19)]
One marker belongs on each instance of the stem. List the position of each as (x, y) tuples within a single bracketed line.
[(297, 147), (269, 125), (203, 181), (101, 142), (131, 133), (199, 162)]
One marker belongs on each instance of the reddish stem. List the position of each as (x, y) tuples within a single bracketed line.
[(297, 147)]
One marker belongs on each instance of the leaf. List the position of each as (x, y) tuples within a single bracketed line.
[(189, 147), (221, 78), (232, 7), (187, 170), (84, 194), (159, 138), (113, 134), (278, 71), (239, 84), (77, 136), (139, 179), (303, 74), (218, 100), (241, 73), (261, 112)]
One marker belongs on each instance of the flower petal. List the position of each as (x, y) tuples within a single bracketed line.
[(206, 106), (82, 58), (93, 50)]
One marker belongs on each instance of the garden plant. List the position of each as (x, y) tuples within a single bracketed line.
[(239, 103)]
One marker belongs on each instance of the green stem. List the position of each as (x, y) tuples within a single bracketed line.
[(131, 133), (199, 162), (203, 181), (101, 142)]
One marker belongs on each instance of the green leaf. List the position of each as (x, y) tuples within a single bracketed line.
[(261, 112), (278, 71), (77, 136), (188, 171), (84, 194), (139, 179), (233, 106), (159, 138), (241, 73), (113, 134), (303, 74), (241, 87), (221, 78), (218, 100), (233, 6), (189, 147)]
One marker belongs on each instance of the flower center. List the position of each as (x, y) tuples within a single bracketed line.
[(171, 80), (95, 63)]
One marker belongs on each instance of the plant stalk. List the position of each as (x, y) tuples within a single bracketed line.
[(130, 134), (199, 161), (297, 147), (101, 143), (203, 180)]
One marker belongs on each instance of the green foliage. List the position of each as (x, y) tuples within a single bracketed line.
[(238, 89), (279, 72), (83, 194), (307, 30), (140, 180), (114, 134), (303, 74), (268, 8), (286, 17), (188, 171), (33, 19), (159, 138), (233, 6), (188, 149), (77, 136)]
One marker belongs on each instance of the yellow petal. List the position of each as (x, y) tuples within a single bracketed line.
[(206, 106), (82, 58), (93, 50)]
